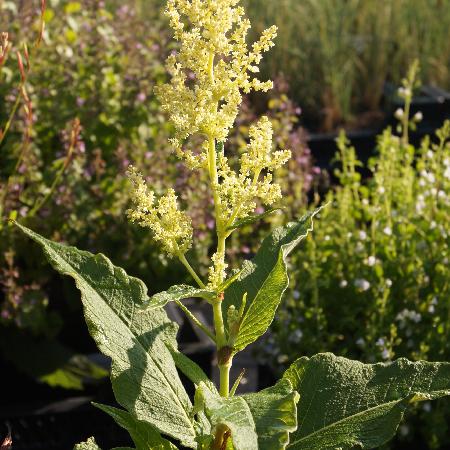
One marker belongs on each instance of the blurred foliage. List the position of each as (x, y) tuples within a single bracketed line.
[(338, 54)]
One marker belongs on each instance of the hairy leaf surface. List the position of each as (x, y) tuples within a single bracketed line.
[(143, 374), (265, 279), (144, 436), (177, 292), (274, 411), (234, 414), (345, 404)]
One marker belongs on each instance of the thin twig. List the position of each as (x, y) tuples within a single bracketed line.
[(197, 322)]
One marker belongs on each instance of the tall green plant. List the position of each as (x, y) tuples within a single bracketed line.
[(322, 402)]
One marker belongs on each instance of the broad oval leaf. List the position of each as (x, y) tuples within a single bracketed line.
[(175, 293), (274, 411), (345, 403), (265, 279), (233, 413), (143, 375), (144, 436)]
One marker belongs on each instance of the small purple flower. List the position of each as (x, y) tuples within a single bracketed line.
[(141, 97)]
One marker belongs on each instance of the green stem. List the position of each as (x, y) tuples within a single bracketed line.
[(12, 114), (190, 269), (225, 379), (197, 322), (219, 325), (221, 339), (405, 137), (5, 191)]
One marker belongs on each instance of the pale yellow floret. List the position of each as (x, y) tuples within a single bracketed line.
[(240, 191), (171, 227), (211, 69), (217, 271)]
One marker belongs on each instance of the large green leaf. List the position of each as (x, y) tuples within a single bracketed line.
[(144, 436), (345, 404), (274, 411), (265, 279), (177, 292), (234, 414), (90, 444), (143, 374)]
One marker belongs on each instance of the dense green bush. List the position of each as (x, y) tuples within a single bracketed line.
[(337, 54), (373, 280)]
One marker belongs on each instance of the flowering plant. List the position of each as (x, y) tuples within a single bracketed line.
[(320, 402), (384, 248)]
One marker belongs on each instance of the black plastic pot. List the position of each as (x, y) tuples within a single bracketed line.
[(432, 102), (323, 145)]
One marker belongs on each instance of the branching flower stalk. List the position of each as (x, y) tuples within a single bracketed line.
[(209, 73)]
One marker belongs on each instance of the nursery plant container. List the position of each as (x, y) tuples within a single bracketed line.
[(433, 102), (323, 145)]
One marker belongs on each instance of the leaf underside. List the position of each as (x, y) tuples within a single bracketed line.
[(232, 413), (177, 292), (345, 404), (265, 279), (143, 375), (274, 411)]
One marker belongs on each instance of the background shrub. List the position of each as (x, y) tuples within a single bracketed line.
[(373, 280)]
